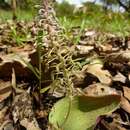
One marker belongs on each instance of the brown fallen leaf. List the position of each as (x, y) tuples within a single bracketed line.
[(26, 48), (90, 33), (99, 89), (41, 114), (125, 104), (15, 57), (7, 125), (78, 78), (112, 126), (18, 61), (2, 114), (22, 111), (119, 57), (126, 54), (104, 76), (29, 125), (106, 48), (129, 76), (82, 49), (119, 77), (5, 90), (126, 92)]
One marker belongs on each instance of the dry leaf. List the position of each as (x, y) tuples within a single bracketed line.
[(126, 54), (5, 90), (112, 126), (129, 76), (17, 61), (22, 111), (119, 77), (104, 76), (126, 92), (125, 104), (30, 125), (10, 58), (7, 125), (81, 49), (3, 114), (90, 33), (99, 89), (106, 47)]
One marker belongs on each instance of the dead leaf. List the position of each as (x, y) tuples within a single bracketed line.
[(112, 126), (99, 89), (126, 92), (2, 114), (129, 76), (106, 48), (90, 33), (41, 114), (104, 76), (10, 58), (78, 78), (125, 104), (5, 90), (126, 54), (7, 125), (17, 60), (30, 125), (81, 49), (22, 111), (119, 77)]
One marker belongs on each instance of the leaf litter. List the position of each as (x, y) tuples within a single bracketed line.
[(97, 66)]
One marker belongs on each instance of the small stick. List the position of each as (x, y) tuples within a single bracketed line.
[(14, 5)]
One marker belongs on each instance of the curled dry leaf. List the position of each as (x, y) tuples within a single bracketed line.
[(105, 48), (119, 77), (125, 104), (104, 76), (18, 60), (119, 57), (99, 89), (5, 90), (126, 92), (126, 54), (3, 112), (78, 78), (112, 126), (15, 57), (7, 125), (29, 125), (12, 61), (90, 33), (129, 76), (82, 49)]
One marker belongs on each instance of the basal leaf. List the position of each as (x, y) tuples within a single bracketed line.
[(80, 112)]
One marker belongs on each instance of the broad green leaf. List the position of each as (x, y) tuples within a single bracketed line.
[(80, 112)]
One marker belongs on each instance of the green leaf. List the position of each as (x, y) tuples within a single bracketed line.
[(43, 90), (80, 112)]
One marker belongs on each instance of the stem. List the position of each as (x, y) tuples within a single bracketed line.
[(14, 5)]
